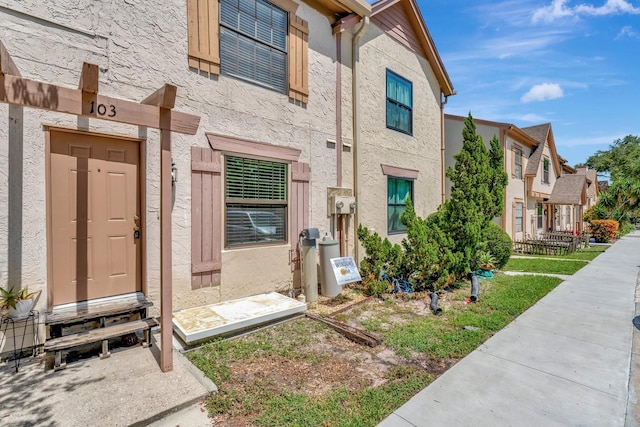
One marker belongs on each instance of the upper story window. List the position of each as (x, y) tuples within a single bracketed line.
[(263, 42), (399, 103), (517, 163), (255, 201), (518, 215), (545, 170), (253, 42), (398, 190)]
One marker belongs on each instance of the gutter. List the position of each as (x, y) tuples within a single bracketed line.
[(355, 96)]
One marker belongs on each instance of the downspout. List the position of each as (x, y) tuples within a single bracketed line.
[(503, 140), (526, 208), (339, 110), (339, 219), (443, 102), (355, 95)]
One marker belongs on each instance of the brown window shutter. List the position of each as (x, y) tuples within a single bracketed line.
[(300, 177), (202, 28), (513, 162), (298, 58), (206, 217)]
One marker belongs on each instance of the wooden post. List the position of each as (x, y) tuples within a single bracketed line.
[(7, 66), (165, 99), (166, 325)]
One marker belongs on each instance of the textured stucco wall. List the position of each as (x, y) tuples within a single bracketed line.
[(379, 145), (538, 185), (139, 46), (453, 145), (515, 191)]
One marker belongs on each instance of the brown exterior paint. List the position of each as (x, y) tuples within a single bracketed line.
[(204, 52), (299, 208), (28, 93), (391, 15), (395, 22), (207, 189), (202, 27), (400, 172), (206, 217), (94, 191)]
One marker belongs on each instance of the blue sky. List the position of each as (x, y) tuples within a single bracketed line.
[(574, 64)]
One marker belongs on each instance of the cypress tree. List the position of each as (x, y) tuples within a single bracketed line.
[(478, 180)]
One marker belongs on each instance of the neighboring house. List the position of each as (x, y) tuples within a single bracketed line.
[(517, 147), (400, 92), (567, 201), (542, 192), (112, 190), (556, 196), (593, 189)]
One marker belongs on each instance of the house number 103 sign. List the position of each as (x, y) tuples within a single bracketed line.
[(103, 109)]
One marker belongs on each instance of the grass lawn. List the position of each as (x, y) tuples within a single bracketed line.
[(537, 265), (505, 299), (269, 400), (585, 254)]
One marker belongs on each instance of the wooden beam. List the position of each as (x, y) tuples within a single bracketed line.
[(31, 93), (164, 97), (166, 292), (89, 78), (7, 66)]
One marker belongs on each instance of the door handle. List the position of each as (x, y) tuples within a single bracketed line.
[(136, 227)]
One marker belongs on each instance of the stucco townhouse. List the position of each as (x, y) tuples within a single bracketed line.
[(172, 152), (175, 153), (400, 130)]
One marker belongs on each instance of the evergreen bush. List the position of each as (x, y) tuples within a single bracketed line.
[(498, 243)]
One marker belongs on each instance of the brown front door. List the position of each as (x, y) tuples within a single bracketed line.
[(95, 208)]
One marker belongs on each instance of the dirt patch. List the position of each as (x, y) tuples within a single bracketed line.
[(329, 360)]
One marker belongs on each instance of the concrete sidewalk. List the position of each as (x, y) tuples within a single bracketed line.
[(126, 389), (566, 361)]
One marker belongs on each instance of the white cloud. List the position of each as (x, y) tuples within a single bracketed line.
[(543, 92), (627, 31), (532, 118), (555, 10), (559, 9)]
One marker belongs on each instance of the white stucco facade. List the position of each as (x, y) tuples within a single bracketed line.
[(139, 46), (379, 145)]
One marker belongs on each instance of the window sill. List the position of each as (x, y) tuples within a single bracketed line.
[(400, 130)]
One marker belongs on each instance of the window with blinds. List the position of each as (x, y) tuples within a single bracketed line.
[(517, 162), (255, 200), (518, 224), (253, 42), (399, 103), (398, 190)]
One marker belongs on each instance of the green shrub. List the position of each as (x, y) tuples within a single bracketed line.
[(498, 242), (382, 256), (376, 287), (428, 250)]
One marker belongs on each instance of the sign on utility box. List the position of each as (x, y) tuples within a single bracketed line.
[(345, 270)]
